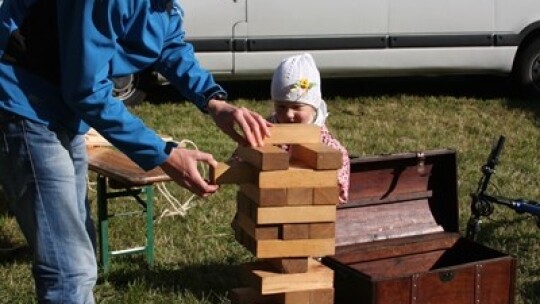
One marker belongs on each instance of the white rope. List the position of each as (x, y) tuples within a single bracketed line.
[(91, 185), (176, 207)]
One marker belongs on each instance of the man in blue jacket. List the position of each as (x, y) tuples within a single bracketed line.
[(57, 60)]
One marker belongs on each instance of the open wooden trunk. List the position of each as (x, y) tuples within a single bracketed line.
[(398, 241)]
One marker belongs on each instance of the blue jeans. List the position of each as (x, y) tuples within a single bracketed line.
[(43, 171)]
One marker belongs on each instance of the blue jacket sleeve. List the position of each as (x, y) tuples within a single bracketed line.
[(88, 32), (12, 14), (179, 65)]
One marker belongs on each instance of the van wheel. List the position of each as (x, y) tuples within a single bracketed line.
[(128, 89), (527, 69)]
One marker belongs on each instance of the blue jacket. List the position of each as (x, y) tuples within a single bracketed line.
[(90, 42)]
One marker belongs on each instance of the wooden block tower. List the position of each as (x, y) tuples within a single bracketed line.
[(286, 213)]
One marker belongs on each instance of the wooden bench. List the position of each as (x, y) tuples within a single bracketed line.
[(118, 176)]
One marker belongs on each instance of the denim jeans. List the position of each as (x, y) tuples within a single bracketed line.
[(43, 172)]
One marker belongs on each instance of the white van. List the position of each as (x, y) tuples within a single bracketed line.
[(246, 39)]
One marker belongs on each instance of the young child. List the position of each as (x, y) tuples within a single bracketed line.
[(296, 93)]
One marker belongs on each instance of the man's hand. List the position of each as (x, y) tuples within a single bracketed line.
[(181, 166), (253, 125)]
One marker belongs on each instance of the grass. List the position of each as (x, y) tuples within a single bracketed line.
[(197, 257)]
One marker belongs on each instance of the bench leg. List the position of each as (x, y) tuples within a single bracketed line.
[(103, 222), (149, 191)]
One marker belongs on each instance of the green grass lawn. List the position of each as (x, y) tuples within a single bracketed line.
[(197, 258)]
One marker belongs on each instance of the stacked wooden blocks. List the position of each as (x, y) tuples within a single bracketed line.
[(286, 212)]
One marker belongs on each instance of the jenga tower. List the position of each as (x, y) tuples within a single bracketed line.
[(286, 216)]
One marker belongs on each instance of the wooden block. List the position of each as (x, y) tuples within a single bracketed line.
[(238, 234), (322, 230), (318, 296), (264, 232), (299, 196), (285, 215), (246, 206), (326, 195), (247, 295), (295, 231), (265, 158), (294, 134), (272, 197), (233, 173), (249, 243), (264, 279), (299, 176), (322, 296), (293, 248), (267, 249), (297, 297), (265, 196), (317, 156), (244, 239), (289, 265), (295, 214)]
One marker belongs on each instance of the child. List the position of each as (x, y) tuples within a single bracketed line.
[(296, 93)]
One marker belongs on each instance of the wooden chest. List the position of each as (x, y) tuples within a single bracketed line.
[(398, 241)]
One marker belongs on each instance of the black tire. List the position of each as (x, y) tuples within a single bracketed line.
[(129, 89), (527, 70)]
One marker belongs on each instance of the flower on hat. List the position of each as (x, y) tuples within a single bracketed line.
[(303, 84)]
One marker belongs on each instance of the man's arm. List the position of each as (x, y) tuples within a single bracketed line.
[(179, 65), (87, 41), (12, 14)]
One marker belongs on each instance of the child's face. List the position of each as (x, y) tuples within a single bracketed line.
[(290, 112)]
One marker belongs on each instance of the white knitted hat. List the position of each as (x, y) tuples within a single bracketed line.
[(297, 79)]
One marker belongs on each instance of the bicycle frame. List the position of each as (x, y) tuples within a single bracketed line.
[(482, 203)]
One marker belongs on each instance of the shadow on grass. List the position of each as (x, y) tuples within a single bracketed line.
[(531, 105), (478, 87), (11, 252), (457, 86), (488, 229), (247, 89), (163, 94), (531, 290), (473, 86), (208, 282)]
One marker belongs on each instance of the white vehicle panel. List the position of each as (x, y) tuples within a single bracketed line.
[(203, 21), (440, 16), (511, 17), (316, 18), (212, 18), (219, 62), (421, 61)]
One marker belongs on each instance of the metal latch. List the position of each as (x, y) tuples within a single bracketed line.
[(421, 163), (446, 276)]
